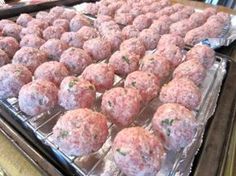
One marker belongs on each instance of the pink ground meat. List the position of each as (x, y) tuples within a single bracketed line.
[(12, 30), (88, 33), (4, 22), (133, 45), (57, 11), (130, 32), (101, 19), (9, 45), (23, 19), (123, 18), (181, 27), (73, 39), (78, 22), (32, 40), (31, 30), (141, 22), (197, 19), (4, 59), (194, 36), (53, 32), (170, 39), (91, 8), (115, 38), (68, 14), (41, 23), (62, 23), (149, 38)]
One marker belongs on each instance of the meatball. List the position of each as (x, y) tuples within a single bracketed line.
[(197, 19), (98, 48), (209, 11), (41, 15), (73, 39), (194, 36), (32, 40), (91, 8), (137, 152), (204, 54), (146, 83), (80, 132), (107, 27), (75, 59), (4, 22), (124, 62), (141, 22), (176, 124), (12, 30), (9, 45), (133, 45), (101, 19), (149, 38), (41, 23), (191, 69), (54, 48), (123, 18), (37, 97), (88, 33), (12, 78), (76, 93), (31, 30), (23, 19), (160, 27), (78, 22), (101, 75), (53, 32), (157, 65), (4, 59), (170, 39), (115, 38), (121, 105), (68, 14), (182, 91), (51, 71), (62, 23), (57, 11), (130, 32), (181, 27), (177, 7)]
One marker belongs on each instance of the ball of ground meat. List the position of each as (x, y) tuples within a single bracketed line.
[(123, 18), (12, 78), (37, 97), (78, 22), (4, 22), (141, 22), (23, 19), (137, 152), (130, 32), (191, 69), (57, 11), (146, 83), (73, 39), (75, 59), (181, 27), (101, 19), (41, 15), (4, 59), (204, 54), (9, 45), (115, 38), (155, 64), (32, 40), (197, 19), (51, 71), (176, 124), (194, 36), (106, 10), (98, 48), (136, 11), (125, 8), (12, 30), (29, 57), (133, 45), (31, 30), (172, 53), (121, 105), (182, 91), (178, 16), (149, 38), (177, 7), (91, 8), (151, 15), (53, 32), (54, 48), (41, 23), (80, 132), (124, 62), (170, 39), (107, 27), (88, 33), (224, 17), (62, 23), (101, 75), (68, 14), (76, 93), (209, 11)]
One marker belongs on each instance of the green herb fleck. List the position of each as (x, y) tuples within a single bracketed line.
[(63, 134), (121, 152), (167, 122), (126, 59), (72, 83), (18, 71), (109, 103), (133, 83)]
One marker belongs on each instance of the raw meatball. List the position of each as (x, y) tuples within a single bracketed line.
[(12, 30), (62, 23), (191, 69), (51, 71), (41, 15), (91, 8), (32, 40), (125, 8), (31, 30), (146, 83), (182, 91), (75, 59), (151, 15), (115, 38), (197, 19), (80, 132), (157, 65), (107, 27), (98, 48), (78, 22), (149, 38), (209, 11), (172, 53), (123, 18), (53, 32), (57, 11), (176, 124), (177, 7), (121, 105), (4, 59), (124, 62), (101, 75), (133, 45), (136, 11), (12, 78), (9, 45), (73, 39), (54, 48), (101, 19), (23, 19), (76, 93), (160, 26), (68, 14), (37, 97), (4, 22), (130, 32), (137, 152), (204, 54), (88, 33), (41, 23), (170, 39), (141, 22), (29, 57), (181, 27), (194, 36)]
